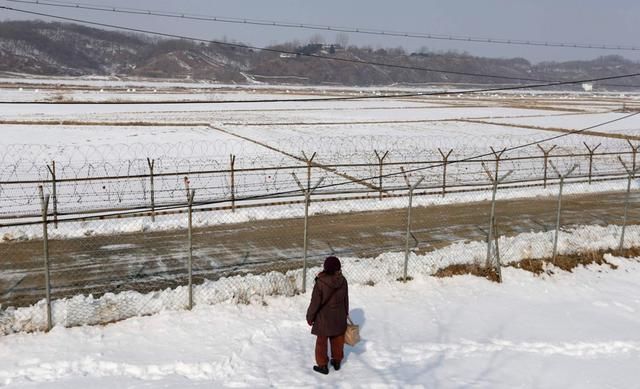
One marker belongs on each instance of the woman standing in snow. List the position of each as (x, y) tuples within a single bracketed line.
[(327, 314)]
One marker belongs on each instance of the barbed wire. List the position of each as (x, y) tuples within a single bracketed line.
[(84, 183), (324, 28)]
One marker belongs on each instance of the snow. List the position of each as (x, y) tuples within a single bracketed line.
[(57, 138), (575, 122), (570, 330)]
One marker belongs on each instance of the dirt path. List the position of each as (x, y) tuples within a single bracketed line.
[(555, 129), (155, 260)]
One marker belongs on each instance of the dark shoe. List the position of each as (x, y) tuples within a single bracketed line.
[(321, 369), (335, 364)]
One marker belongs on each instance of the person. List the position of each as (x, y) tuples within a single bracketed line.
[(327, 314)]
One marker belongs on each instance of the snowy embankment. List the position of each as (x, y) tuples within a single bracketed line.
[(569, 330), (384, 269)]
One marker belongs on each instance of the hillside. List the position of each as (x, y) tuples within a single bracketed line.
[(41, 48)]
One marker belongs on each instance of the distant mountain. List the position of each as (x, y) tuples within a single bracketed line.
[(42, 48)]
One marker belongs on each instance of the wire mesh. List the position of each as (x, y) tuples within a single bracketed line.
[(115, 177), (118, 266)]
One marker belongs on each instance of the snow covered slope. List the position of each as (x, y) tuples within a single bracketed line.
[(569, 330)]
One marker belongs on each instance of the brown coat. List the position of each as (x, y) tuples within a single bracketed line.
[(329, 305)]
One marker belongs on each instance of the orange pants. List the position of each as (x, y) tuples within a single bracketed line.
[(337, 349)]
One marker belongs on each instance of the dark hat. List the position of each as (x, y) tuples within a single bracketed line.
[(331, 264)]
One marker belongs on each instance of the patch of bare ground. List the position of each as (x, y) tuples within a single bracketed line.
[(537, 266), (534, 266), (632, 252), (572, 261), (468, 268)]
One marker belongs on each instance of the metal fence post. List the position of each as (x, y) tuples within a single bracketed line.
[(491, 217), (634, 153), (54, 197), (151, 163), (190, 196), (445, 161), (555, 238), (305, 248), (631, 174), (498, 262), (380, 165), (186, 186), (498, 156), (307, 200), (495, 180), (232, 159), (44, 201), (406, 247), (591, 151), (309, 162), (546, 160)]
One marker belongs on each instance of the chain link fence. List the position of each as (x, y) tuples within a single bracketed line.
[(121, 177), (388, 221)]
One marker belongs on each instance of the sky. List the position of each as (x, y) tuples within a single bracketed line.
[(572, 21)]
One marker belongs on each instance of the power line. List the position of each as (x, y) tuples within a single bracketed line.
[(272, 50), (174, 206), (358, 97), (346, 98), (337, 59), (319, 27), (237, 45)]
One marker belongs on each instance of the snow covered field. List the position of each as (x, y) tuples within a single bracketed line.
[(569, 330), (576, 122), (115, 139)]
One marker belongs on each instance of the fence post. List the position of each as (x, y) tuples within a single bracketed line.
[(406, 247), (546, 160), (380, 165), (445, 161), (631, 174), (495, 180), (54, 197), (44, 202), (309, 162), (555, 238), (591, 151), (498, 156), (232, 159), (307, 200), (151, 163), (498, 262), (634, 153), (190, 197)]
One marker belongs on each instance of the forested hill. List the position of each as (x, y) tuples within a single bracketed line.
[(42, 48)]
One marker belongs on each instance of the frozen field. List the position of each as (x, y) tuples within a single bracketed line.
[(629, 127), (106, 140), (422, 117)]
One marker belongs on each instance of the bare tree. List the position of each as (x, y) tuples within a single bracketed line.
[(316, 39), (342, 39)]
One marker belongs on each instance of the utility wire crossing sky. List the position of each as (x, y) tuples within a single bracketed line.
[(453, 25)]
